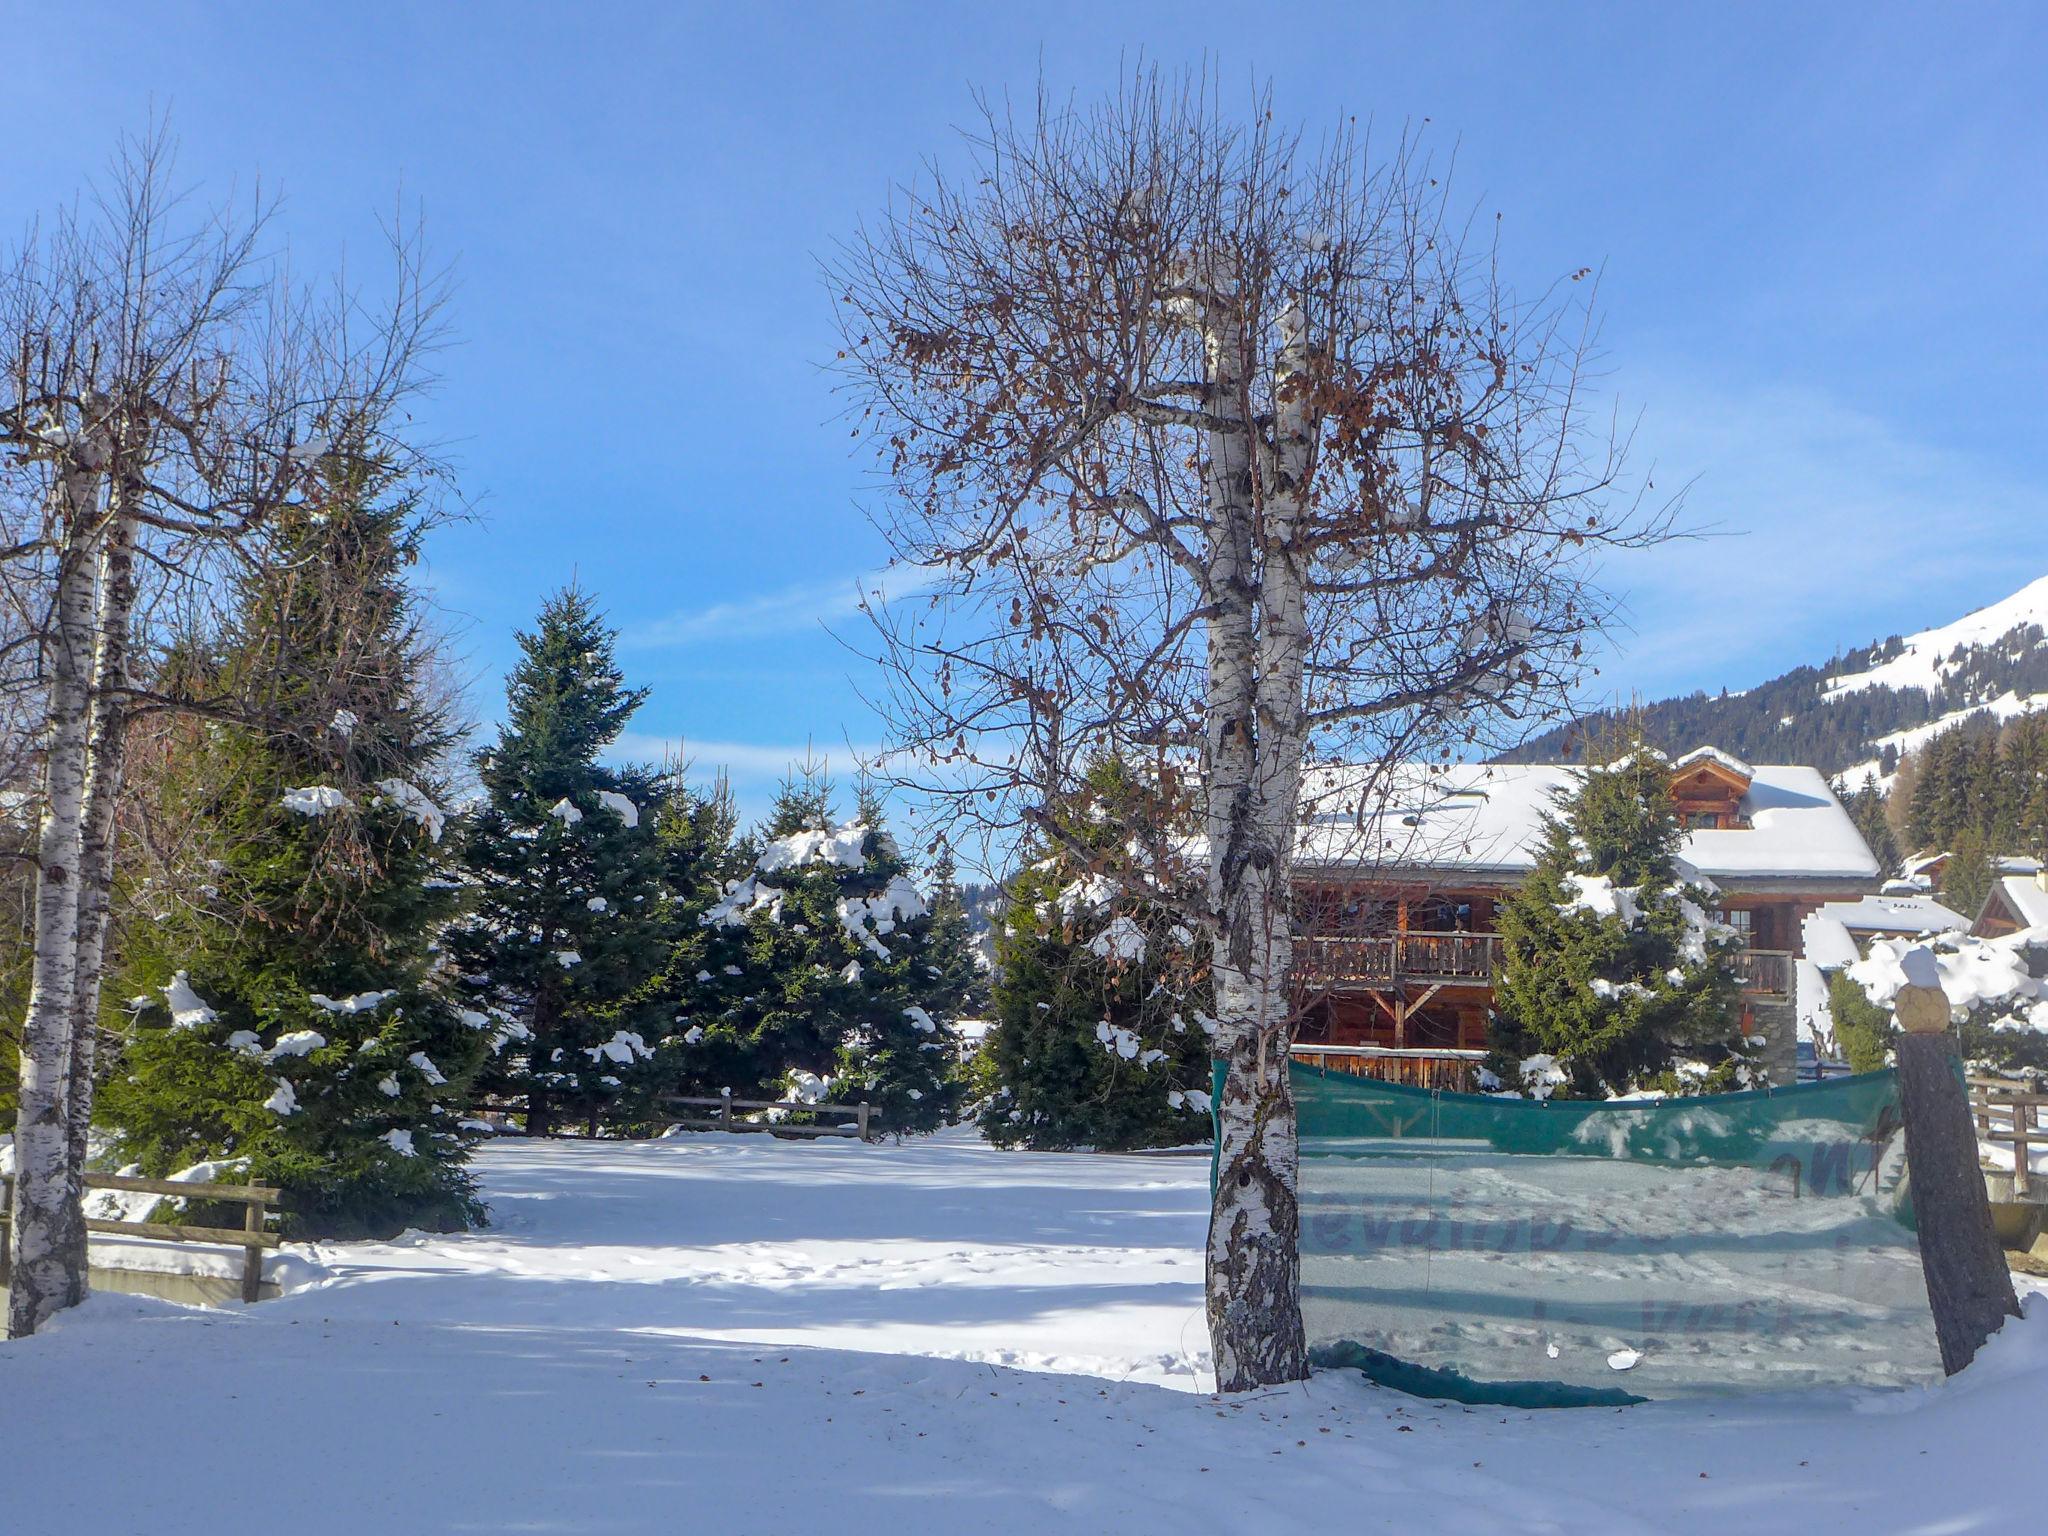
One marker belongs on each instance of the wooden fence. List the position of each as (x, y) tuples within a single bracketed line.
[(252, 1237), (861, 1115), (2008, 1111)]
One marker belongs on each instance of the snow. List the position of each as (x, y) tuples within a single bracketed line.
[(284, 1099), (1603, 898), (399, 1142), (2027, 897), (1829, 944), (416, 803), (619, 806), (597, 904), (297, 1042), (867, 917), (1715, 755), (564, 812), (624, 1048), (344, 722), (921, 1020), (566, 958), (1911, 915), (188, 1009), (314, 800), (360, 1002), (1972, 972), (1122, 940), (1925, 655), (1487, 819), (420, 1062), (842, 847), (714, 1320)]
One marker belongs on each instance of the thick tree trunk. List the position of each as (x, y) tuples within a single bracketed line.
[(106, 752), (1969, 1285), (1253, 1260), (43, 1279)]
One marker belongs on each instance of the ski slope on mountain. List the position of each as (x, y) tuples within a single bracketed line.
[(736, 1334), (1925, 656)]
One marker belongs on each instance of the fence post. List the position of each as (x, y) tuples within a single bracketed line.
[(862, 1110), (6, 1229), (2022, 1124), (1969, 1288), (725, 1109), (252, 1256)]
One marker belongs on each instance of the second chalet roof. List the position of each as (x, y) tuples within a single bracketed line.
[(1487, 819), (2024, 894)]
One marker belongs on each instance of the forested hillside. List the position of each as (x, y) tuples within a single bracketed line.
[(1858, 713)]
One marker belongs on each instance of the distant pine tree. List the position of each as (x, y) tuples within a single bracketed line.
[(567, 877), (1610, 963)]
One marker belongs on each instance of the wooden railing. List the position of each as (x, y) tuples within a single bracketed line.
[(251, 1238), (2008, 1110), (1765, 971), (862, 1116), (1390, 957), (1419, 1067)]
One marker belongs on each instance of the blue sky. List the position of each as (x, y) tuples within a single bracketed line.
[(1823, 231)]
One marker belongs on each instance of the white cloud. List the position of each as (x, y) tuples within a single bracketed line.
[(745, 759), (792, 609), (1832, 527)]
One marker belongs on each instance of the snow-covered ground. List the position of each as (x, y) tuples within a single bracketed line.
[(736, 1334)]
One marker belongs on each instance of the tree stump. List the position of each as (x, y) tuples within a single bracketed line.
[(1969, 1287)]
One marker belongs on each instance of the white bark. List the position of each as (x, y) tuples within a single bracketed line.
[(42, 1279), (1257, 641), (106, 751)]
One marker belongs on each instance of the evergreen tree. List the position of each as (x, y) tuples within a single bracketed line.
[(1099, 1036), (1863, 1030), (1866, 807), (842, 980), (567, 875), (1610, 963), (289, 1015), (1970, 874)]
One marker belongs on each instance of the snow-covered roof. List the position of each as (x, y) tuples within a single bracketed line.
[(2016, 864), (1487, 819), (1716, 756), (1894, 914), (1828, 944), (2029, 902)]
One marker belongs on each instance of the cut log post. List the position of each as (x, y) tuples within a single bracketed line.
[(252, 1256), (864, 1110), (725, 1112), (1969, 1287)]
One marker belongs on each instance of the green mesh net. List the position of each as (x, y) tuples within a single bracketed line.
[(1515, 1251)]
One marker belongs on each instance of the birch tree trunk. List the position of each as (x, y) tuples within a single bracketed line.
[(42, 1280), (106, 752), (1254, 726)]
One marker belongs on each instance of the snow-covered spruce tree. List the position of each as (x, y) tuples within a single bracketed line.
[(832, 977), (565, 869), (1997, 991), (288, 1011), (1101, 1029), (1610, 963)]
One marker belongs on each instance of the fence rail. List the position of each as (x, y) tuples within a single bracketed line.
[(2017, 1102), (1451, 1071), (251, 1237), (861, 1116)]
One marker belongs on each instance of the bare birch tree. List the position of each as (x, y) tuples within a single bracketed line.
[(1233, 453), (167, 388)]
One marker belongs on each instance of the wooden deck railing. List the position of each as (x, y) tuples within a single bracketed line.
[(251, 1238), (1418, 1067), (1390, 957), (862, 1116), (1765, 971)]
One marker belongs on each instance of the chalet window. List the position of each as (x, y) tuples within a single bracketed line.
[(1740, 920), (1701, 821)]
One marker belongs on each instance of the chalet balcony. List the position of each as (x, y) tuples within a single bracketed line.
[(1382, 960), (1765, 972)]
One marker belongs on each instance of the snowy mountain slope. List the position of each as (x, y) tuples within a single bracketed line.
[(1857, 714)]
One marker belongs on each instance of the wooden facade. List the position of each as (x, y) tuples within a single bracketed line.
[(1405, 963)]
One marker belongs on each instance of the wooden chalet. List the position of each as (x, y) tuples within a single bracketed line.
[(2018, 900), (1399, 881)]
